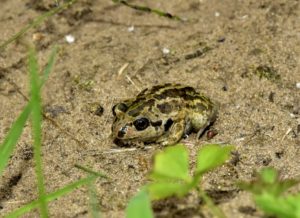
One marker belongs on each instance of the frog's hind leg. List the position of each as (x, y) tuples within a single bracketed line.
[(188, 129), (176, 131), (203, 128), (201, 131)]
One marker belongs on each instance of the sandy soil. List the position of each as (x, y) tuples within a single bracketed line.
[(244, 54)]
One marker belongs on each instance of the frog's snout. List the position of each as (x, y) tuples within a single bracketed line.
[(122, 131)]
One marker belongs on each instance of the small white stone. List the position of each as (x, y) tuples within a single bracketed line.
[(130, 29), (298, 85), (166, 51), (70, 38), (245, 16), (217, 14)]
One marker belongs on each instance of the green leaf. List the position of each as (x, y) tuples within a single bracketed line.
[(94, 204), (269, 175), (268, 181), (139, 206), (281, 207), (171, 173), (37, 129), (12, 137), (49, 66), (172, 163), (212, 156), (160, 190)]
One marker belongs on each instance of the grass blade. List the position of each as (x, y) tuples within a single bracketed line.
[(12, 137), (37, 129), (87, 170), (94, 204), (52, 196), (49, 66)]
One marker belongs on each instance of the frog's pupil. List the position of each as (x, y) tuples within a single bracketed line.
[(141, 123)]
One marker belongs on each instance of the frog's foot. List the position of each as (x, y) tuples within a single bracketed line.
[(139, 145)]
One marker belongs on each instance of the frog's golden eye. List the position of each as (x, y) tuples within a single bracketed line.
[(141, 123), (119, 109)]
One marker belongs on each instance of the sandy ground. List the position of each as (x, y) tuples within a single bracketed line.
[(244, 54)]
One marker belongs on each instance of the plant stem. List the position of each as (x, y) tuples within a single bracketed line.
[(208, 201), (147, 9)]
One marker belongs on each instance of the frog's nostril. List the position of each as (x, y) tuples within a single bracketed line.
[(122, 132)]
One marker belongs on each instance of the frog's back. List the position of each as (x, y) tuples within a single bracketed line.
[(172, 98)]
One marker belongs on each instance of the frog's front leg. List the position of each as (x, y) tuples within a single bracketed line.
[(175, 131)]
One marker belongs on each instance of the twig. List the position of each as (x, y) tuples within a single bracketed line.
[(122, 69), (131, 81), (149, 10)]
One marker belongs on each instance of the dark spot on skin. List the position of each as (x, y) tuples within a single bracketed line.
[(201, 107), (138, 100), (136, 111), (121, 107), (119, 142), (154, 89), (122, 132), (142, 93), (157, 123), (168, 124), (165, 108), (187, 93)]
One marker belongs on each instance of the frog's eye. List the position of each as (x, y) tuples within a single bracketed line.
[(141, 123), (119, 109)]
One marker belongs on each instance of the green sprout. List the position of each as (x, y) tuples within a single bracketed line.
[(268, 192), (171, 175)]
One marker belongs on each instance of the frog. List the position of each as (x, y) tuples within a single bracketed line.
[(162, 114)]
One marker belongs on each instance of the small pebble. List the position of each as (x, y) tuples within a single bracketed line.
[(130, 29), (99, 111), (165, 51), (298, 85), (70, 38), (244, 17), (221, 39), (217, 14), (211, 133)]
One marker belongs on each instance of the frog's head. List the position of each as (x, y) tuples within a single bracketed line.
[(135, 124)]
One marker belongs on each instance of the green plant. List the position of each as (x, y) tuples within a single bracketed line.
[(139, 206), (268, 192), (171, 174), (7, 147)]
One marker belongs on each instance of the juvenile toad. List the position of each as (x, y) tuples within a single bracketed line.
[(162, 114)]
